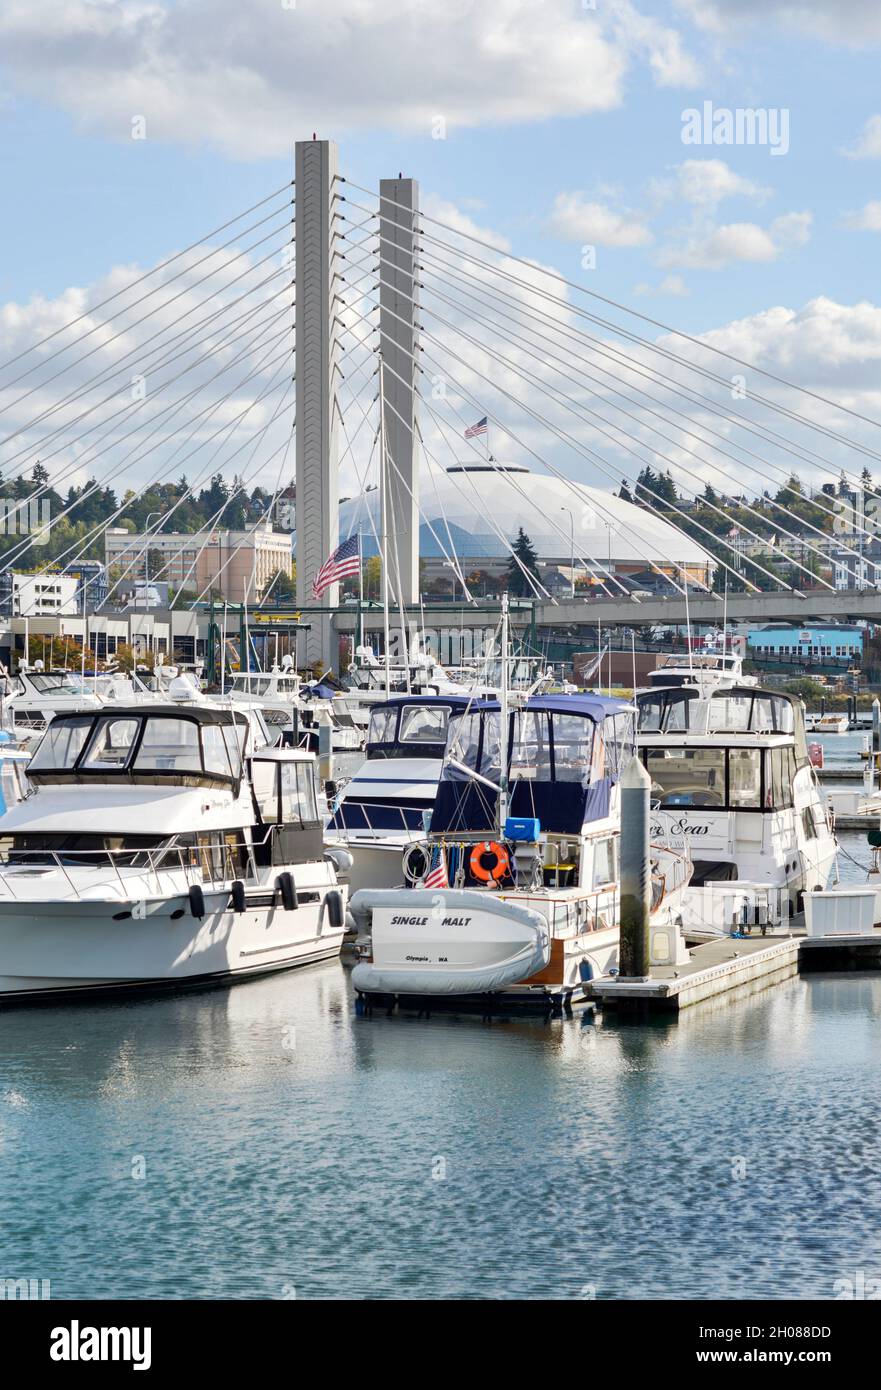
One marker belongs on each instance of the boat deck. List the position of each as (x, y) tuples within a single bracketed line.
[(716, 967), (728, 964)]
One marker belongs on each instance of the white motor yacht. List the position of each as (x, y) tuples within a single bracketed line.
[(732, 778), (830, 723), (516, 906), (158, 848), (35, 696), (382, 810)]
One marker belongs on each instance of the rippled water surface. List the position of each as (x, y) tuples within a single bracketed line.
[(289, 1144)]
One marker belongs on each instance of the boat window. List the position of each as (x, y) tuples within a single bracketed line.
[(81, 847), (234, 738), (424, 724), (778, 781), (665, 711), (618, 735), (604, 869), (687, 776), (573, 745), (807, 823), (745, 778), (61, 744), (9, 788), (263, 777), (169, 745), (214, 750), (111, 744), (382, 726), (298, 804), (308, 797), (531, 746), (464, 745), (730, 712), (64, 682)]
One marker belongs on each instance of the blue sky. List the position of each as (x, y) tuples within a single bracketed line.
[(563, 130), (80, 200)]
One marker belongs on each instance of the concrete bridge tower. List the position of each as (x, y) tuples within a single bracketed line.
[(316, 358)]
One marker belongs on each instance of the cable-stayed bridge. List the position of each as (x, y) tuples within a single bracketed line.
[(335, 331)]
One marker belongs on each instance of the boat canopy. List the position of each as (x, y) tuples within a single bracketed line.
[(735, 709), (413, 727), (188, 746), (565, 752)]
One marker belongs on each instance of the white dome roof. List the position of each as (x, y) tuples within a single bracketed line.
[(471, 502)]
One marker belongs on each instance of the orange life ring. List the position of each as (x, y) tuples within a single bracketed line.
[(498, 870)]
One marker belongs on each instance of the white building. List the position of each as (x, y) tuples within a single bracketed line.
[(234, 565), (475, 510), (44, 595)]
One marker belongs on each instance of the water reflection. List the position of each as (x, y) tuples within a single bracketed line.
[(290, 1143)]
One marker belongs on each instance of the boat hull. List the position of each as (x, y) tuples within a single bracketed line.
[(49, 949), (474, 946)]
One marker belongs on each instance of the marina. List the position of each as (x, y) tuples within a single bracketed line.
[(440, 675)]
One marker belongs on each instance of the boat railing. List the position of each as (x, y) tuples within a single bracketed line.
[(214, 864), (387, 818)]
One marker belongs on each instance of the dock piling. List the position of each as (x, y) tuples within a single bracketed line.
[(633, 955)]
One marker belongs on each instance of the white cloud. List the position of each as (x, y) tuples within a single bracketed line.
[(660, 46), (714, 247), (846, 21), (705, 182), (575, 218), (673, 285), (868, 143), (825, 346), (868, 219), (252, 79)]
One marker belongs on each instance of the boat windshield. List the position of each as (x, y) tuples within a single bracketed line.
[(544, 745), (750, 712), (57, 682), (409, 730), (142, 745), (666, 711), (714, 777)]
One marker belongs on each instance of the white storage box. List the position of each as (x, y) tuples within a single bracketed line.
[(845, 803), (840, 911)]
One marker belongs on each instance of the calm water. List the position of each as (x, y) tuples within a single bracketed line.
[(389, 1157)]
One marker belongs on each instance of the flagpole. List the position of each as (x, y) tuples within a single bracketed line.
[(359, 635)]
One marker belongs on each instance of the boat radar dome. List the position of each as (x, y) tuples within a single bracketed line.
[(183, 687)]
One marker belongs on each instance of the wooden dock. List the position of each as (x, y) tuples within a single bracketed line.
[(717, 967), (731, 965)]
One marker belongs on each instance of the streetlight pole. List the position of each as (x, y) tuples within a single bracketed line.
[(571, 550)]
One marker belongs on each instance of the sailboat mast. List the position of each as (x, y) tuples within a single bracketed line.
[(503, 706), (383, 505)]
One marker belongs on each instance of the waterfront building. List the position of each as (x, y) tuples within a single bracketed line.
[(809, 642)]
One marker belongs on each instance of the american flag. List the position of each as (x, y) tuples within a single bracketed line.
[(479, 428), (437, 873), (345, 560)]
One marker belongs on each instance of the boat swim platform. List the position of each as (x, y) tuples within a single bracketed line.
[(730, 966)]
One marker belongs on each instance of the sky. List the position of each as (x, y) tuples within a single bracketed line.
[(554, 128)]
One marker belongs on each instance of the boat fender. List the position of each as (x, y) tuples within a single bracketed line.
[(197, 901), (341, 859), (284, 885), (335, 914), (489, 850), (238, 895)]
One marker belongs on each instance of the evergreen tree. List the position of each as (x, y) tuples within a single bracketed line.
[(524, 551)]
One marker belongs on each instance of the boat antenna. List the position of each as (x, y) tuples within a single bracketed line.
[(688, 637)]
